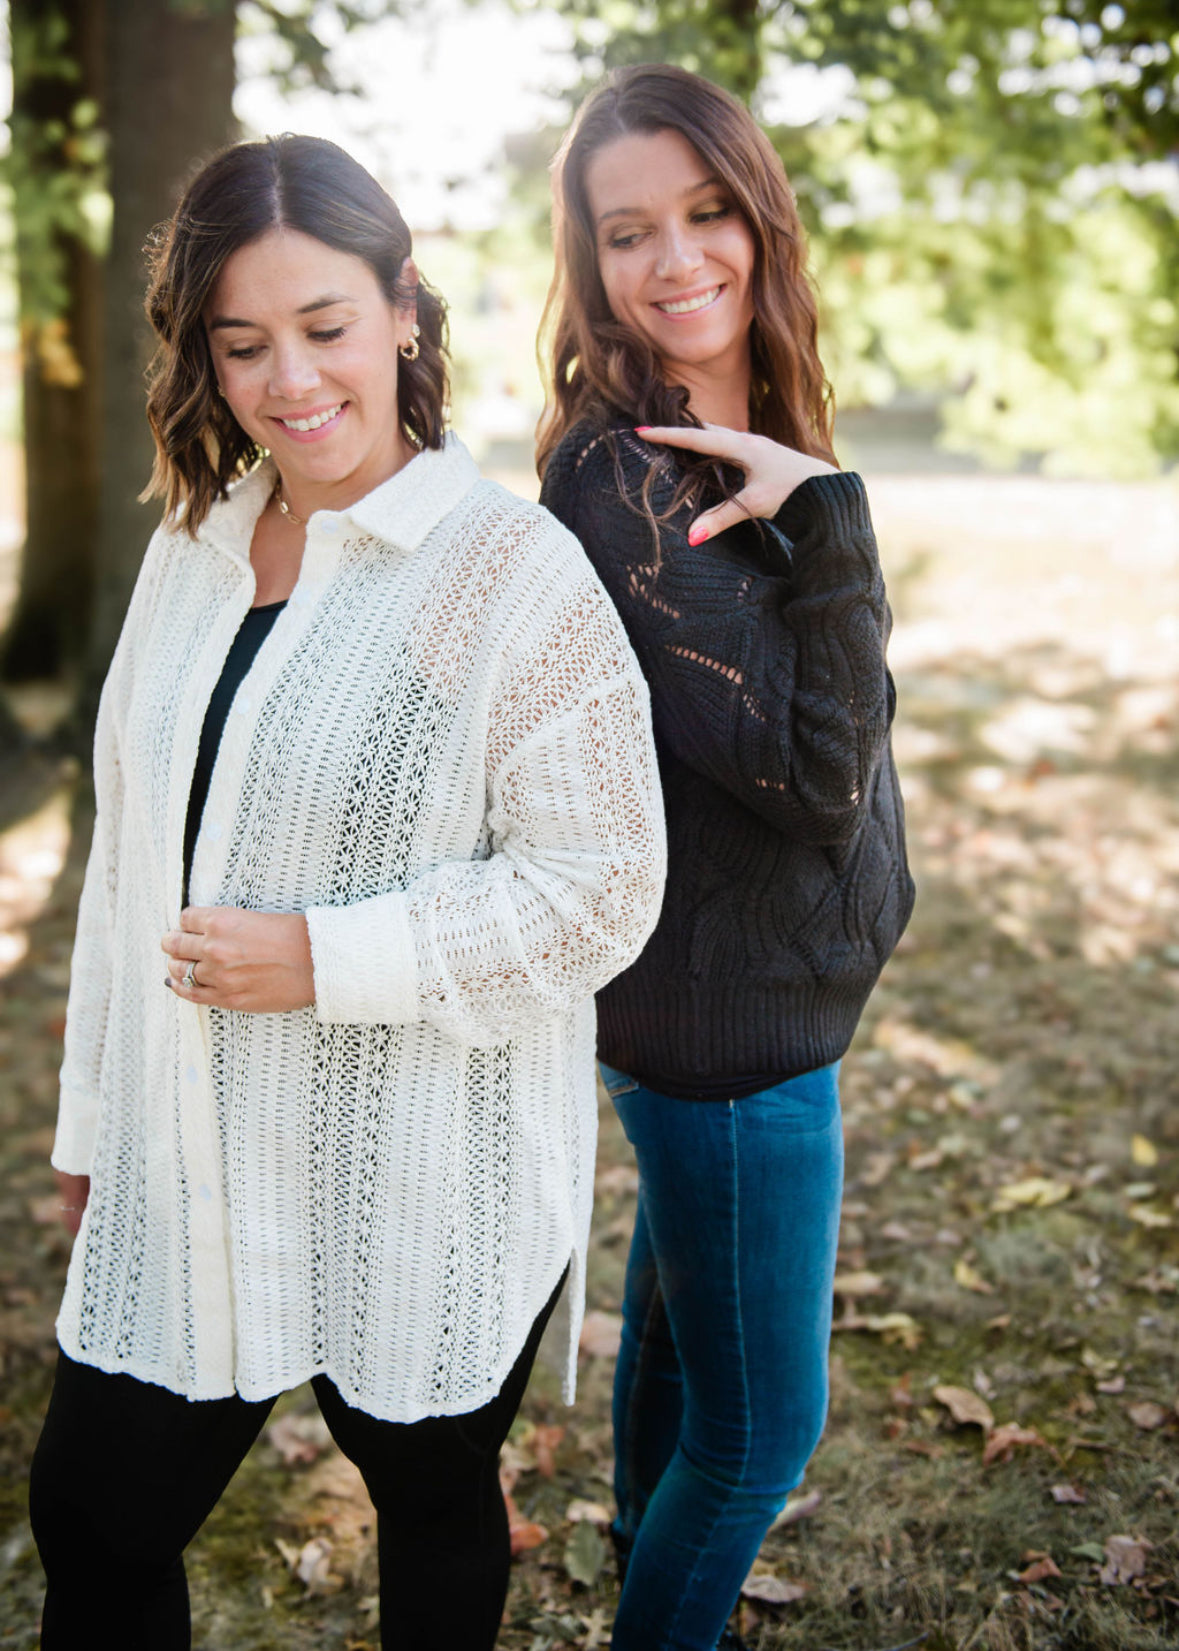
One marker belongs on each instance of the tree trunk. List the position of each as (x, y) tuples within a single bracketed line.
[(61, 380), (169, 104)]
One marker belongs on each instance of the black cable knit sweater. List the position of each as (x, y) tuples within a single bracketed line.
[(787, 884)]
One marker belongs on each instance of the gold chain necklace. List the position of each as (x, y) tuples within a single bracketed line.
[(295, 521)]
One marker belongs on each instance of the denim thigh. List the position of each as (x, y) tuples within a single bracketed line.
[(740, 1201)]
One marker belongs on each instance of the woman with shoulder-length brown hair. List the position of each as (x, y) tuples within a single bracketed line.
[(687, 443), (373, 767)]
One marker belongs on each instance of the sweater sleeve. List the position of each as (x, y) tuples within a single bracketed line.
[(571, 888), (92, 963), (764, 649)]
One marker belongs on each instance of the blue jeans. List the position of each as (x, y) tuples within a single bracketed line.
[(720, 1393)]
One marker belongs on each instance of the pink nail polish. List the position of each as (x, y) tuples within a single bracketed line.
[(641, 429), (697, 535)]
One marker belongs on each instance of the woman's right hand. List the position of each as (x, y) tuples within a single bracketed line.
[(772, 471), (74, 1191)]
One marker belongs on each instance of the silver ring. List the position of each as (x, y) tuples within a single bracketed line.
[(190, 978)]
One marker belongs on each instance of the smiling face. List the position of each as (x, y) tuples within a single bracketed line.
[(676, 259), (304, 343)]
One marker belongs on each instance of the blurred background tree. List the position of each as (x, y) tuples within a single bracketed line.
[(991, 188), (114, 101)]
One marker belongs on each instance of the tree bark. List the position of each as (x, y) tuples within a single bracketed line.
[(169, 104), (48, 632)]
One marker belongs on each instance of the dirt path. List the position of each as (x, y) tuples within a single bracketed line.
[(1011, 1221)]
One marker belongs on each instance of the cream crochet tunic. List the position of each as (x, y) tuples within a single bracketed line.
[(442, 754)]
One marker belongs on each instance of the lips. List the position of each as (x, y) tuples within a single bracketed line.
[(311, 423), (690, 304)]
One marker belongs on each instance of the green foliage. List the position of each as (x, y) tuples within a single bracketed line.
[(302, 31), (992, 203), (55, 167), (718, 38)]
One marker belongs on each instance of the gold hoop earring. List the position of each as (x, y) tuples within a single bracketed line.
[(411, 351)]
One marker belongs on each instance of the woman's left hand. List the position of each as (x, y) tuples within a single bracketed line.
[(772, 471), (259, 962)]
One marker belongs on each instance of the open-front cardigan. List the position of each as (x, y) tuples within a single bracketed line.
[(787, 883), (441, 754)]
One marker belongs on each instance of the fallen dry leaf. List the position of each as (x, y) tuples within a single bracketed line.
[(1036, 1192), (1041, 1567), (1148, 1415), (311, 1563), (900, 1394), (1116, 1384), (585, 1554), (601, 1334), (522, 1533), (891, 1327), (513, 1461), (594, 1512), (966, 1276), (1143, 1152), (1068, 1493), (1000, 1447), (299, 1439), (597, 1629), (858, 1284), (1158, 1283), (1098, 1363), (878, 1168), (1148, 1217), (543, 1442), (965, 1407), (931, 1159), (1125, 1559), (772, 1590), (897, 1231), (798, 1507)]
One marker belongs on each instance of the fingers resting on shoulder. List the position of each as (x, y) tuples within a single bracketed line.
[(772, 471)]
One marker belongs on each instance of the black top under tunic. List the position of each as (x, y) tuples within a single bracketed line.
[(764, 650), (254, 630)]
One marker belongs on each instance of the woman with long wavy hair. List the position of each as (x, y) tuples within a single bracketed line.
[(687, 443)]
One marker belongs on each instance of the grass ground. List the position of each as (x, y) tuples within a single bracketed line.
[(1010, 1244)]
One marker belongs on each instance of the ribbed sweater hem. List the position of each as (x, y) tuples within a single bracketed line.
[(683, 1035)]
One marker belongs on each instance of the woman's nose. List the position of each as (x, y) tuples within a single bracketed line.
[(293, 373), (679, 255)]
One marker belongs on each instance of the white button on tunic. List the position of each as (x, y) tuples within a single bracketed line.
[(442, 755)]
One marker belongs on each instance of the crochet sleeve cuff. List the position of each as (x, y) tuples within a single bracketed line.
[(364, 962), (73, 1144)]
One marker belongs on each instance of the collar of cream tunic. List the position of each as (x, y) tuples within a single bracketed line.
[(442, 754)]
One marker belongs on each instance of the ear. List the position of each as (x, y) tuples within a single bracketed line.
[(408, 278)]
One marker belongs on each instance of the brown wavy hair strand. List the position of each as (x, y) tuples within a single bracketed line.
[(288, 182)]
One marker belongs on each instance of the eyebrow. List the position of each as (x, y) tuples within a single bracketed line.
[(636, 211), (324, 303)]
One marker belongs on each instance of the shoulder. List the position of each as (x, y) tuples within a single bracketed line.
[(598, 471), (523, 542)]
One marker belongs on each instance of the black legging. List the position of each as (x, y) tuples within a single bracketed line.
[(126, 1473)]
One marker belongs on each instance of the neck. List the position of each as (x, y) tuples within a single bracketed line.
[(717, 395), (303, 496)]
